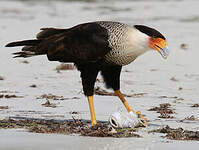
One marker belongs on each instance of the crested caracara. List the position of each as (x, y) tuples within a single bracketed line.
[(94, 47)]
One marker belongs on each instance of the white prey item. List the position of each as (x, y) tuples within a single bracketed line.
[(124, 120)]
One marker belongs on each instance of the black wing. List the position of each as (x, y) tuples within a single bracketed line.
[(84, 42)]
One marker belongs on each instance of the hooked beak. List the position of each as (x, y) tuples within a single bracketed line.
[(163, 51), (161, 46)]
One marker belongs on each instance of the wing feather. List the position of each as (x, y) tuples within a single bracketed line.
[(84, 42)]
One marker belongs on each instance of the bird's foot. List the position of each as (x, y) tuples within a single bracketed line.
[(93, 123), (143, 120)]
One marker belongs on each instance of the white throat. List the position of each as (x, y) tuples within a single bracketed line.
[(138, 42)]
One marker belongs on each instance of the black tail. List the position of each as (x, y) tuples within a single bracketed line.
[(34, 47), (24, 43), (28, 50), (47, 32)]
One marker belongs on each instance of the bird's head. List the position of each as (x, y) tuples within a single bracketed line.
[(156, 40)]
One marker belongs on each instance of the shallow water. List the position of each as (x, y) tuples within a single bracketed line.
[(178, 20)]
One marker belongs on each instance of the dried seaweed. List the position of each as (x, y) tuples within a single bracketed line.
[(48, 104), (9, 96), (33, 86), (99, 91), (174, 97), (190, 118), (25, 62), (180, 88), (74, 112), (165, 115), (65, 67), (6, 91), (195, 105), (67, 127), (178, 134), (55, 97), (153, 69), (164, 110), (1, 78), (174, 79), (51, 96), (3, 107)]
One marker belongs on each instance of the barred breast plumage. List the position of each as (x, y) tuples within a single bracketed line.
[(123, 42)]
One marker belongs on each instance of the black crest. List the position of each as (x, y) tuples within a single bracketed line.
[(149, 31)]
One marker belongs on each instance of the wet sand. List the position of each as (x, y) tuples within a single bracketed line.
[(19, 139)]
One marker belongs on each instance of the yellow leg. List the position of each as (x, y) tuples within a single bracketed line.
[(92, 111), (119, 94)]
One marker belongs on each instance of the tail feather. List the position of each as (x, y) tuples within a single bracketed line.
[(36, 46), (29, 49), (47, 32), (24, 54), (24, 43)]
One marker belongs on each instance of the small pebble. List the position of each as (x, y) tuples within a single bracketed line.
[(184, 46), (33, 85), (1, 78), (25, 62), (180, 88), (174, 79)]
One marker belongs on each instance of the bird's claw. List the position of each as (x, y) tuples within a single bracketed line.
[(143, 120)]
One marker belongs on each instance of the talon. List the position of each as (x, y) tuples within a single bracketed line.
[(93, 123), (144, 121), (138, 113)]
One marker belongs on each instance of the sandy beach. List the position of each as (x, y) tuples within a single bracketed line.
[(174, 81)]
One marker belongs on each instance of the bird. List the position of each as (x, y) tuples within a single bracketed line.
[(96, 47)]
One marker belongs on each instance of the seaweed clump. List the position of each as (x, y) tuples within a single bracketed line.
[(102, 92), (164, 110), (9, 96), (178, 134), (67, 127), (51, 96)]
